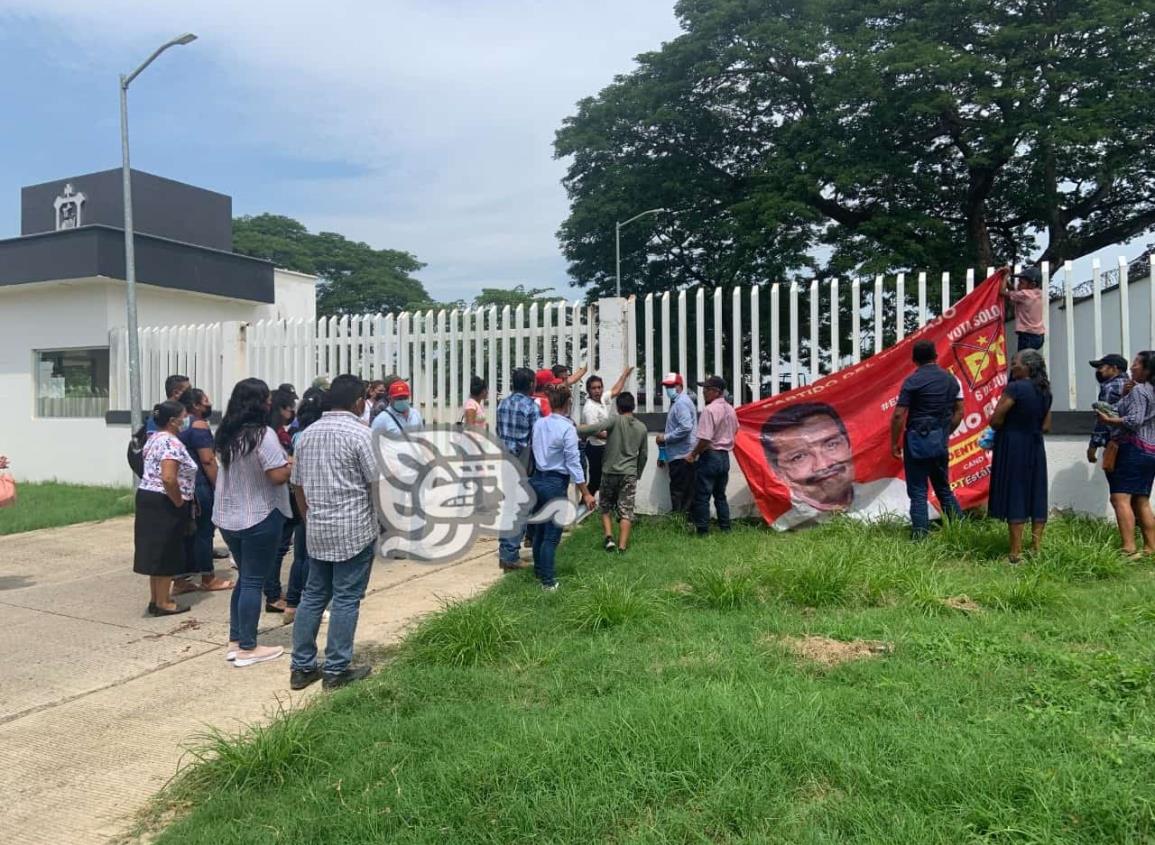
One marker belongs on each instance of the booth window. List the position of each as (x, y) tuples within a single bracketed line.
[(72, 382)]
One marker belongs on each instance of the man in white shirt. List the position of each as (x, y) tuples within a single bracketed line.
[(808, 447), (597, 409)]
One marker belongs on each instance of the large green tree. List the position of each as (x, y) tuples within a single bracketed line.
[(869, 136), (353, 277)]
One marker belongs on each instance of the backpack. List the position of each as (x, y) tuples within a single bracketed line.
[(135, 454)]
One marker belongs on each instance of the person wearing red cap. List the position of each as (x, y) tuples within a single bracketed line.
[(543, 380), (679, 440), (400, 415)]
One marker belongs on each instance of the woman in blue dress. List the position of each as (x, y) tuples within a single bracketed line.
[(1019, 469)]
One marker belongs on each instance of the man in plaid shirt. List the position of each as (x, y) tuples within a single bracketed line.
[(333, 476), (1111, 372), (516, 415)]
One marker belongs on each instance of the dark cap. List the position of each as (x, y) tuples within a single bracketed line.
[(1031, 274), (716, 382), (1113, 360)]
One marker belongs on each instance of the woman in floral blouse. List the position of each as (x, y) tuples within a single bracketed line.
[(164, 509)]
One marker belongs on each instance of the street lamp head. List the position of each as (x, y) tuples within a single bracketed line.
[(187, 38)]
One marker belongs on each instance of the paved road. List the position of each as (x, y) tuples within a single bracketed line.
[(97, 698)]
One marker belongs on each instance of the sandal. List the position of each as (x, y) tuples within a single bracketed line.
[(216, 584), (1015, 561), (184, 585)]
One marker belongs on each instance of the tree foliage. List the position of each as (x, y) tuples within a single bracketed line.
[(353, 277), (869, 136), (513, 297)]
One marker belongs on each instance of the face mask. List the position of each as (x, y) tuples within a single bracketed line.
[(401, 406), (671, 393), (206, 412), (187, 422)]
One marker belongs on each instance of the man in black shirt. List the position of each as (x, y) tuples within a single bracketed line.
[(930, 407)]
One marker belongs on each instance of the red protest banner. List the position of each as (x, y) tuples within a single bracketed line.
[(825, 448)]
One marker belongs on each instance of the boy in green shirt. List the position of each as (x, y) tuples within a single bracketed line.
[(627, 447)]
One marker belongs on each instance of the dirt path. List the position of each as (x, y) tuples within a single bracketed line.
[(97, 698)]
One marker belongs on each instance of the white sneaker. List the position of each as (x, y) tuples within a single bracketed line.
[(550, 588), (260, 654)]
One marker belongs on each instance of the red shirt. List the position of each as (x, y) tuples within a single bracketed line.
[(542, 403)]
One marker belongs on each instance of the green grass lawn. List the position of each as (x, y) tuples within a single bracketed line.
[(49, 504), (659, 697)]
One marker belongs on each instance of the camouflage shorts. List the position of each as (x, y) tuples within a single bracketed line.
[(617, 493)]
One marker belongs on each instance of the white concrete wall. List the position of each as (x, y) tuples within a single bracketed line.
[(53, 317), (80, 313), (296, 297), (1139, 296)]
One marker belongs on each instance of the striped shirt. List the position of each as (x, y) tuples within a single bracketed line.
[(244, 495), (336, 469), (555, 447), (1137, 409)]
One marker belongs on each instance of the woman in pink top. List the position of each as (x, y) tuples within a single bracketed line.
[(474, 416)]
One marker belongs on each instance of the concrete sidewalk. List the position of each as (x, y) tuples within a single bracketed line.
[(97, 698)]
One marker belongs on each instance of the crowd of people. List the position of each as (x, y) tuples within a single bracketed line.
[(285, 477)]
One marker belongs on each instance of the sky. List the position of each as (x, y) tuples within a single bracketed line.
[(420, 125)]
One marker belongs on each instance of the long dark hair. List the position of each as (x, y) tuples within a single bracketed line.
[(245, 420), (1036, 370), (280, 400), (314, 403), (1147, 359)]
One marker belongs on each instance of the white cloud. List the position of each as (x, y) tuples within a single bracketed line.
[(449, 106)]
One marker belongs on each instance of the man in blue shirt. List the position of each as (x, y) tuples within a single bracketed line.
[(515, 415), (679, 441), (1111, 373), (930, 407)]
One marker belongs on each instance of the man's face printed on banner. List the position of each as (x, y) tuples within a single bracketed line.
[(815, 460)]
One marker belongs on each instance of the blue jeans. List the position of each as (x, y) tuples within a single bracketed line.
[(199, 547), (255, 551), (343, 584), (918, 473), (509, 544), (299, 571), (273, 590), (547, 535), (1026, 340), (710, 479)]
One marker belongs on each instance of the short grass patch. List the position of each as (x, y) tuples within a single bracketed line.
[(836, 685), (52, 504)]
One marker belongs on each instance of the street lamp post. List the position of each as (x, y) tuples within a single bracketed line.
[(618, 244), (134, 391)]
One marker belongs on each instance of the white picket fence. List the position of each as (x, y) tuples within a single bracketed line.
[(757, 337), (437, 352)]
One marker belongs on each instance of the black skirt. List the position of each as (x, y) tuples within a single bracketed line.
[(159, 532)]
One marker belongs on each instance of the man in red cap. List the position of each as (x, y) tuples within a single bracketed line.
[(679, 440), (399, 415), (543, 381)]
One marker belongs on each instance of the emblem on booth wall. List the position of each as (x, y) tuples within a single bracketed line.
[(69, 209)]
